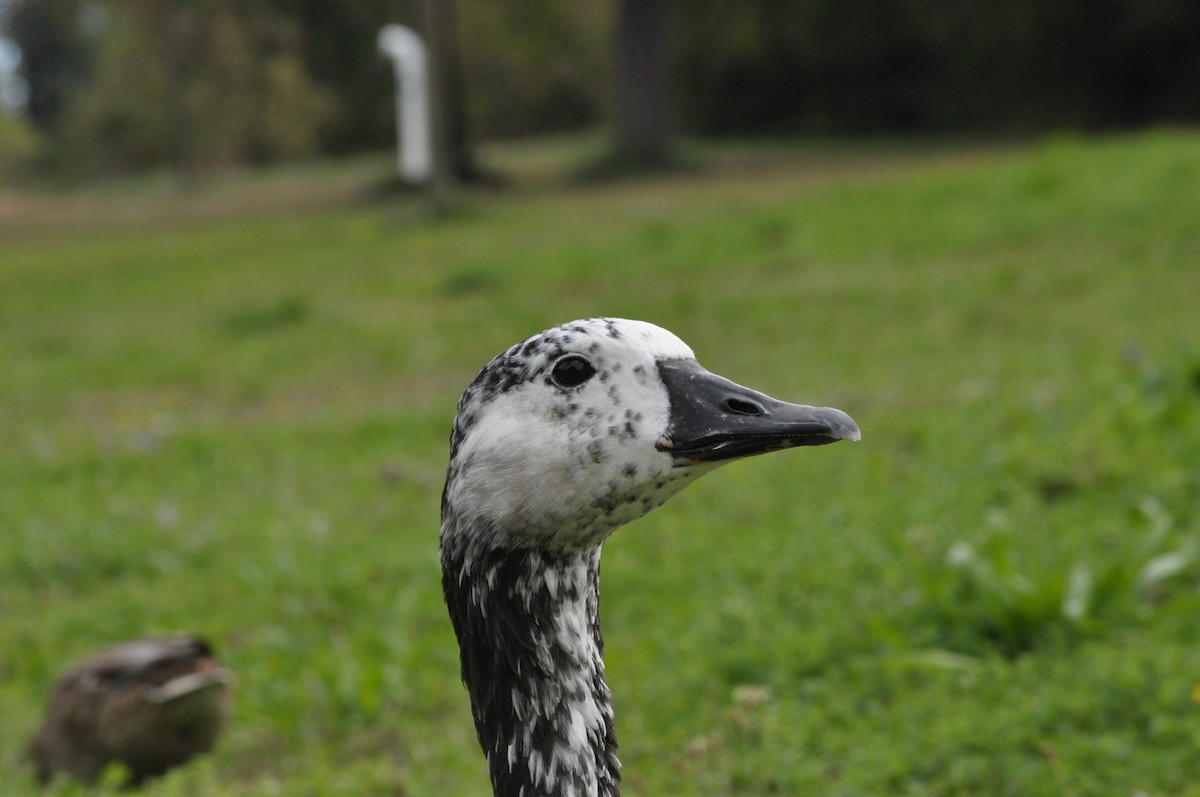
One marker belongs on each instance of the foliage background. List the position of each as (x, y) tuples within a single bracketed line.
[(142, 83)]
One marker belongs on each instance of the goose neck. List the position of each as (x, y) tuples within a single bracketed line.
[(528, 626)]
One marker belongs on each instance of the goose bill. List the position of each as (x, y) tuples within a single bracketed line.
[(714, 420)]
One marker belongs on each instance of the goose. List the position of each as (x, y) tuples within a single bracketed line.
[(555, 443), (150, 704)]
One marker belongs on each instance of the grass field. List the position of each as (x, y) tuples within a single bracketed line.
[(227, 412)]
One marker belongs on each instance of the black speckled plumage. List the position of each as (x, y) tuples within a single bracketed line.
[(505, 619)]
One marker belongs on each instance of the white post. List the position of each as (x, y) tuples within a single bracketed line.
[(413, 118)]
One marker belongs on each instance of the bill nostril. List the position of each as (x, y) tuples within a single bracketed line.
[(742, 407)]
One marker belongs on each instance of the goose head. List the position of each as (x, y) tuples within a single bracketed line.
[(557, 442), (584, 427)]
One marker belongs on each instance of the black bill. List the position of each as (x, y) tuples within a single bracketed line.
[(714, 419)]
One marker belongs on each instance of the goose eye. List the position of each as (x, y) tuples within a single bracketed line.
[(572, 371)]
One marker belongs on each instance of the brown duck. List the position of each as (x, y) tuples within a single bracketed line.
[(150, 704)]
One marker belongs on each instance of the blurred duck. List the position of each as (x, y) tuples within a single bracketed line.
[(150, 704)]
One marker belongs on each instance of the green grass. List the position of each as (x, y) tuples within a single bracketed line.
[(227, 413)]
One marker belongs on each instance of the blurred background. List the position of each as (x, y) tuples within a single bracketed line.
[(98, 87), (231, 345)]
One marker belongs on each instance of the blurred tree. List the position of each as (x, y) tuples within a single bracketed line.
[(54, 52), (789, 66), (337, 45), (1118, 63), (454, 158), (117, 83), (643, 82), (534, 65), (783, 66), (191, 86)]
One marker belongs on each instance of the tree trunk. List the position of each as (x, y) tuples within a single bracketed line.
[(453, 157), (432, 12), (643, 83), (172, 48), (460, 157)]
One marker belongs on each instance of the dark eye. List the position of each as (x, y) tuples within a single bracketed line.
[(572, 371)]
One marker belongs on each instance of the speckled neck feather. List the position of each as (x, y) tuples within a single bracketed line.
[(528, 625)]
